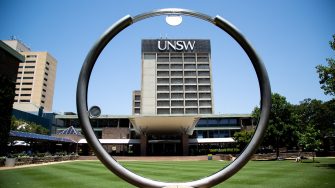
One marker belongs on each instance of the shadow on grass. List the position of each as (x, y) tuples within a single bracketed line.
[(328, 166)]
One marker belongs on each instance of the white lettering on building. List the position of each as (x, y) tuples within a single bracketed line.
[(176, 45)]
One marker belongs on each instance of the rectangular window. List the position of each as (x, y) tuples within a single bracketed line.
[(28, 67), (27, 83), (189, 57), (176, 88), (25, 95), (176, 80), (190, 73), (203, 57), (177, 111), (137, 111), (176, 57), (162, 66), (191, 103), (203, 66), (43, 96), (48, 63), (163, 95), (31, 61), (163, 58), (148, 56), (205, 103), (190, 88), (28, 78), (205, 110), (163, 103), (44, 90), (28, 72), (191, 111), (162, 73), (189, 66), (203, 80), (177, 96), (177, 103), (203, 73), (46, 68), (163, 80), (163, 88), (137, 97), (191, 95), (190, 80), (204, 88), (163, 111), (204, 95), (45, 79), (176, 66), (45, 84), (31, 56), (24, 100), (46, 74), (42, 102), (26, 89), (176, 73)]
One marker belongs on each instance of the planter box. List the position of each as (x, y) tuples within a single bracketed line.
[(10, 162)]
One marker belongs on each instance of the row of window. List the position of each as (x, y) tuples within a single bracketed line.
[(186, 73), (180, 66), (182, 95), (217, 122), (182, 81), (182, 88), (178, 57), (186, 103), (181, 111), (214, 133)]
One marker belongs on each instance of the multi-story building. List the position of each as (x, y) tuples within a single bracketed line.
[(176, 77), (173, 113), (136, 102), (35, 80)]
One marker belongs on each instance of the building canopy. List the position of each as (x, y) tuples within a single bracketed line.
[(39, 137)]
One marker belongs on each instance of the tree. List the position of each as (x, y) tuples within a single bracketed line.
[(281, 131), (309, 139), (26, 126), (327, 73), (243, 138), (7, 94), (317, 113)]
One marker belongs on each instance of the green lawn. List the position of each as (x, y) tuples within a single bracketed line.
[(82, 174)]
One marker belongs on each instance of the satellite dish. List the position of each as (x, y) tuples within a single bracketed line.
[(95, 111)]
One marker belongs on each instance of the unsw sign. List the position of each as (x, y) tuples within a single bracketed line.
[(176, 45)]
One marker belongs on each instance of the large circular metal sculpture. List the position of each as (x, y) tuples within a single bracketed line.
[(111, 163)]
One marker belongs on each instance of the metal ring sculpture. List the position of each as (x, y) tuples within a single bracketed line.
[(111, 163)]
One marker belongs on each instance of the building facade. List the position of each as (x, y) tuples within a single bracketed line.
[(35, 81), (176, 77)]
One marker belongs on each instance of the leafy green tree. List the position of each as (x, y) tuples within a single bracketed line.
[(26, 126), (282, 130), (7, 94), (243, 138), (309, 139), (317, 113), (327, 73)]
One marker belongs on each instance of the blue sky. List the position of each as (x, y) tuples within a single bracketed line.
[(290, 36)]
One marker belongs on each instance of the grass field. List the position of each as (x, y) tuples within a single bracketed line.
[(82, 174)]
